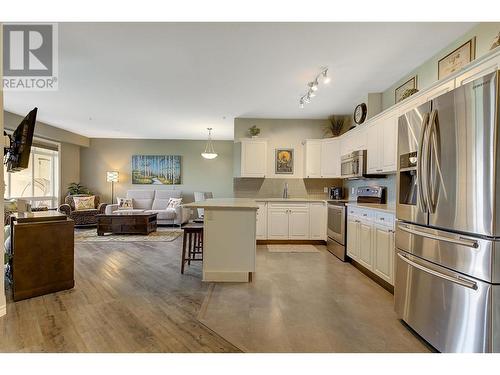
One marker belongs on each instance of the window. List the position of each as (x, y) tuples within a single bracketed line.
[(39, 183)]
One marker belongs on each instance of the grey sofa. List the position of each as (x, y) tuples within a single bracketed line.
[(155, 201)]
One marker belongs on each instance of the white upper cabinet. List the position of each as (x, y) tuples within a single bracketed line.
[(353, 141), (253, 158), (322, 158), (381, 145), (312, 158), (390, 144), (330, 158), (373, 148), (487, 67)]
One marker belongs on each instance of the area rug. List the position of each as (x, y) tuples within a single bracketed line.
[(161, 235), (290, 248)]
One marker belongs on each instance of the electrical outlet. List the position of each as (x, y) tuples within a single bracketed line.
[(325, 190), (353, 191)]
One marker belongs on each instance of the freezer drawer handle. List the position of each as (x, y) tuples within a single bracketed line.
[(457, 280), (459, 241)]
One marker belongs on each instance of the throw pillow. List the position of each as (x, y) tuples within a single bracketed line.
[(125, 203), (174, 202), (84, 203)]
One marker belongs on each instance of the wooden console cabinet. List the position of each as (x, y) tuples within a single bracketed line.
[(42, 254)]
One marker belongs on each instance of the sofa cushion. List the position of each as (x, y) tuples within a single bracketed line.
[(163, 196), (168, 214), (125, 203), (142, 199), (84, 203), (174, 202)]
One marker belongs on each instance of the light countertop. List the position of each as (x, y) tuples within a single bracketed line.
[(289, 200), (224, 203), (388, 208)]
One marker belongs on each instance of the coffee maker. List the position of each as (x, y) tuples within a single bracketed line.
[(336, 193)]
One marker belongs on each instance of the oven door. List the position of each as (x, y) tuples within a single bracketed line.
[(336, 223)]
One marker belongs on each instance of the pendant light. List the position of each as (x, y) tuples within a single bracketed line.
[(209, 148)]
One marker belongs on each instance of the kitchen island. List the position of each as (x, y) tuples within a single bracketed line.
[(229, 239)]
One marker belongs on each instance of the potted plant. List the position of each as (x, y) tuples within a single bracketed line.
[(254, 131), (335, 127), (75, 188)]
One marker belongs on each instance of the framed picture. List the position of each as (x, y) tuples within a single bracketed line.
[(457, 59), (401, 90), (284, 161), (156, 169)]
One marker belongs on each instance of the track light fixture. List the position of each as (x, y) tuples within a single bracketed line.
[(313, 87)]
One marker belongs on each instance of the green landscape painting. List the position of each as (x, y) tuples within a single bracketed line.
[(156, 169)]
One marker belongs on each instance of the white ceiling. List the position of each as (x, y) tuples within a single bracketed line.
[(167, 80)]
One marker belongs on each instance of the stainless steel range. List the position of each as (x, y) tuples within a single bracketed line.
[(447, 285), (337, 218)]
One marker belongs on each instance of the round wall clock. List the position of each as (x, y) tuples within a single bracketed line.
[(360, 113)]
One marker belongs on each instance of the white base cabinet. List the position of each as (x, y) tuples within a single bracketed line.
[(261, 228), (383, 261), (370, 241), (292, 221), (317, 221)]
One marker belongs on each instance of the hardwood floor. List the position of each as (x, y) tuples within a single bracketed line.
[(131, 297), (128, 297)]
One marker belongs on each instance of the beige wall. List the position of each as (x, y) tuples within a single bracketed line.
[(69, 165), (198, 174), (282, 133), (427, 73)]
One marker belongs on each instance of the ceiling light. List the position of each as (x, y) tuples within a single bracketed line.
[(326, 78), (313, 87), (209, 148)]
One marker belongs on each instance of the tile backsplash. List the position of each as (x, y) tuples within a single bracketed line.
[(389, 182), (273, 187)]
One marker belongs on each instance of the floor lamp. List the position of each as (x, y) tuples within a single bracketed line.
[(112, 176)]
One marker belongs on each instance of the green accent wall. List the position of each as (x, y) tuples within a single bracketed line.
[(427, 73)]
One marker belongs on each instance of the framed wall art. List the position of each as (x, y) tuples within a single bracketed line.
[(284, 161), (156, 169), (457, 59), (402, 91)]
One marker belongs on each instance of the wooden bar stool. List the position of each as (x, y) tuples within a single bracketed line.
[(192, 244)]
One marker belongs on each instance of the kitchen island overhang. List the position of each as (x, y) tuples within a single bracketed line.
[(229, 239)]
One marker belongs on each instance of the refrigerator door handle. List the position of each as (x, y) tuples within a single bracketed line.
[(457, 279), (432, 146), (420, 174), (458, 241)]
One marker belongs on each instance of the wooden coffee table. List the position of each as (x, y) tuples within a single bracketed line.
[(136, 223)]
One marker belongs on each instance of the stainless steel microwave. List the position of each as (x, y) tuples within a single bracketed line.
[(353, 165)]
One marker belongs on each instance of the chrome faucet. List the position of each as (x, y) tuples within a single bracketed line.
[(285, 190)]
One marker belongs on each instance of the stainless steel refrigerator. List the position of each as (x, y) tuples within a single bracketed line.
[(447, 285)]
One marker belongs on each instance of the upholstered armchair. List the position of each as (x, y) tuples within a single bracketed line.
[(82, 217)]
